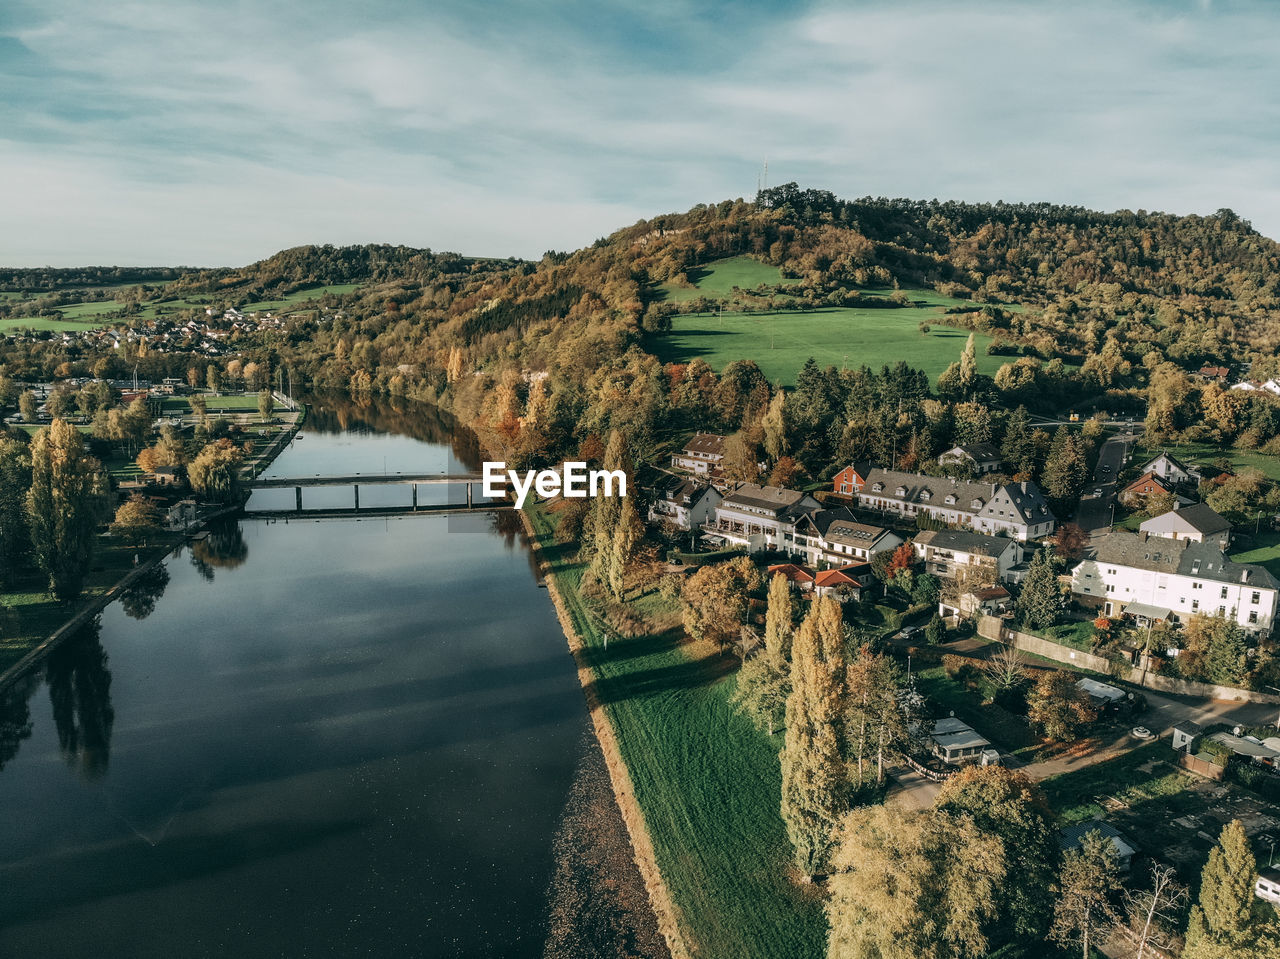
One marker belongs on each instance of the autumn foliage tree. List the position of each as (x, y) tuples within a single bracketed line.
[(1059, 707), (815, 788), (63, 505)]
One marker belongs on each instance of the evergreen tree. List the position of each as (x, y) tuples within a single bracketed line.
[(1041, 600), (1223, 923), (63, 505), (815, 791), (1018, 448), (1066, 470)]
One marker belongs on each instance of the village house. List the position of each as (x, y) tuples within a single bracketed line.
[(849, 583), (948, 552), (685, 504), (835, 536), (701, 454), (1159, 578), (1198, 523), (850, 480), (980, 458), (1169, 468), (1148, 484), (759, 517), (981, 601), (1017, 510), (956, 742), (799, 577)]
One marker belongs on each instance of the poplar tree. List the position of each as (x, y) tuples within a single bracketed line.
[(623, 548), (764, 682), (774, 424), (815, 790), (63, 505)]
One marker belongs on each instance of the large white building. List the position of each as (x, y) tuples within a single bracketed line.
[(1197, 523), (1016, 510), (685, 504), (1153, 578), (760, 517), (701, 455)]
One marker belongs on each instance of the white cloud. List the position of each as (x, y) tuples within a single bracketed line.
[(206, 133)]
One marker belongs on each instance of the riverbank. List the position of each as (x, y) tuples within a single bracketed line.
[(698, 786), (664, 908), (33, 623)]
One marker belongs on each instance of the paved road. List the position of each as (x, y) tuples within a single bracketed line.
[(1095, 512), (912, 789)]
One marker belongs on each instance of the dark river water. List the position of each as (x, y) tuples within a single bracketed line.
[(311, 738)]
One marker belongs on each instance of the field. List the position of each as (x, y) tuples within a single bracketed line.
[(300, 296), (780, 343), (719, 278), (47, 323), (708, 783)]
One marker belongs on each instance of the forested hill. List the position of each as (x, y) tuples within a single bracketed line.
[(1106, 309), (307, 266)]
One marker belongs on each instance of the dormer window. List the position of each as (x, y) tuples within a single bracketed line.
[(926, 495), (900, 491), (976, 504), (878, 488), (951, 499)]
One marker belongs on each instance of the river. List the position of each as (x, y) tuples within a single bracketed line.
[(314, 738)]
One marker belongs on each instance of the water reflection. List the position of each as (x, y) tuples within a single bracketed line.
[(15, 716), (340, 413), (139, 600), (80, 692), (223, 548)]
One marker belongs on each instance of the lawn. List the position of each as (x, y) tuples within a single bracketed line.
[(236, 403), (719, 278), (780, 343), (708, 783), (1078, 634), (1263, 549)]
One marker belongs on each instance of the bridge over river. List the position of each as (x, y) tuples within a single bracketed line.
[(356, 480)]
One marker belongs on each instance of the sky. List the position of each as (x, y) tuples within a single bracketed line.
[(215, 133)]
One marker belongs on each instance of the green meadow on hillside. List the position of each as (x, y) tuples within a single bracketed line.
[(780, 343)]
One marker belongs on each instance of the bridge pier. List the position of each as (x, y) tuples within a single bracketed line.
[(415, 497), (297, 498), (468, 496), (357, 492)]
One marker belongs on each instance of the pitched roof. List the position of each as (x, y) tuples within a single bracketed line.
[(792, 572), (1173, 461), (964, 541), (1183, 557), (1203, 518), (840, 577), (705, 443), (979, 452), (684, 491), (1071, 836), (773, 499), (1021, 501), (861, 467), (1148, 477)]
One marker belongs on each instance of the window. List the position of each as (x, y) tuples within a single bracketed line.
[(1197, 585), (1195, 604), (1253, 617), (1224, 593), (1257, 597), (1222, 611)]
